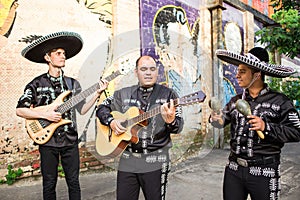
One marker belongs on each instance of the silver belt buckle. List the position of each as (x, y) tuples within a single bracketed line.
[(242, 162)]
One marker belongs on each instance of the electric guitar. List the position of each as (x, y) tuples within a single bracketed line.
[(110, 145), (41, 130)]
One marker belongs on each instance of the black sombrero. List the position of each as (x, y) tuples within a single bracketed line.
[(257, 58), (69, 41)]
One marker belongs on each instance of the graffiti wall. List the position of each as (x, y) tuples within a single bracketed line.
[(233, 39), (170, 32)]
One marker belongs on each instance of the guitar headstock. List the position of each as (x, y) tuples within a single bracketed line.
[(126, 65), (193, 98)]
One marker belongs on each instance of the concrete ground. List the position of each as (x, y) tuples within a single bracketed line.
[(197, 178)]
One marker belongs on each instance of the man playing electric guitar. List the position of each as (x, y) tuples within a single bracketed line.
[(144, 164), (42, 92)]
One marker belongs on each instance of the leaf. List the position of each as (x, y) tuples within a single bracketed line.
[(282, 38)]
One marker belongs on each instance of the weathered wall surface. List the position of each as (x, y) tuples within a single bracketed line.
[(182, 35), (39, 17)]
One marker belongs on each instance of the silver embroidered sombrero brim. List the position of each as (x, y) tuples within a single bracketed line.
[(278, 71), (69, 41)]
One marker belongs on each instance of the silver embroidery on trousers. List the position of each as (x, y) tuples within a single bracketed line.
[(233, 166), (151, 159), (274, 186), (258, 171), (164, 179), (269, 172), (255, 171), (156, 158)]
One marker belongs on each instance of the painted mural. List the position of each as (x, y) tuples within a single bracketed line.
[(7, 16), (172, 38), (233, 39), (170, 32)]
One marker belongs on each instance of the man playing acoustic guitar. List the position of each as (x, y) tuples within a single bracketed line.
[(145, 162), (39, 102)]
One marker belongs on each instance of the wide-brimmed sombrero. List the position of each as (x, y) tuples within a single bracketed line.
[(257, 58), (69, 41)]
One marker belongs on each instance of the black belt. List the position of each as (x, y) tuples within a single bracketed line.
[(263, 160)]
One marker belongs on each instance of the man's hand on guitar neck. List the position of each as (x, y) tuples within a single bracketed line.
[(103, 84), (116, 126), (168, 112)]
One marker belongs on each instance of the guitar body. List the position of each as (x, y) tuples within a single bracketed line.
[(40, 130), (108, 144)]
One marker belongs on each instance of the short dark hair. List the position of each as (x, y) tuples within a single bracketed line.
[(138, 60)]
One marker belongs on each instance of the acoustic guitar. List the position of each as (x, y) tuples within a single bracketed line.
[(110, 145), (41, 130)]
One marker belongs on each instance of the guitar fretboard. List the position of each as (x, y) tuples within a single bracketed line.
[(193, 98), (81, 96)]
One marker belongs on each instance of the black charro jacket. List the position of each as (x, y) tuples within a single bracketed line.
[(156, 134), (281, 119)]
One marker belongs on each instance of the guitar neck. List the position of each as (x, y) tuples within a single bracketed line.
[(81, 96), (146, 115), (189, 99)]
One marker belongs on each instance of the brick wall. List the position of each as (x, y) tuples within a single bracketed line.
[(16, 148), (30, 163)]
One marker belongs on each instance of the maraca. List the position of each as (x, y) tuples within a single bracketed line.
[(215, 105), (243, 107)]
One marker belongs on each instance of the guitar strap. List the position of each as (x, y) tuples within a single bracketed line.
[(154, 95), (69, 82)]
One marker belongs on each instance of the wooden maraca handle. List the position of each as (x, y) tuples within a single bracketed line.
[(220, 121), (260, 134)]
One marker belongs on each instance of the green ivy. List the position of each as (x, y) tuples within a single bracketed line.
[(285, 4), (289, 87), (284, 35), (60, 170), (11, 175)]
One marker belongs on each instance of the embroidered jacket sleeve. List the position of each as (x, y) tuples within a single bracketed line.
[(33, 97), (288, 128), (107, 106)]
